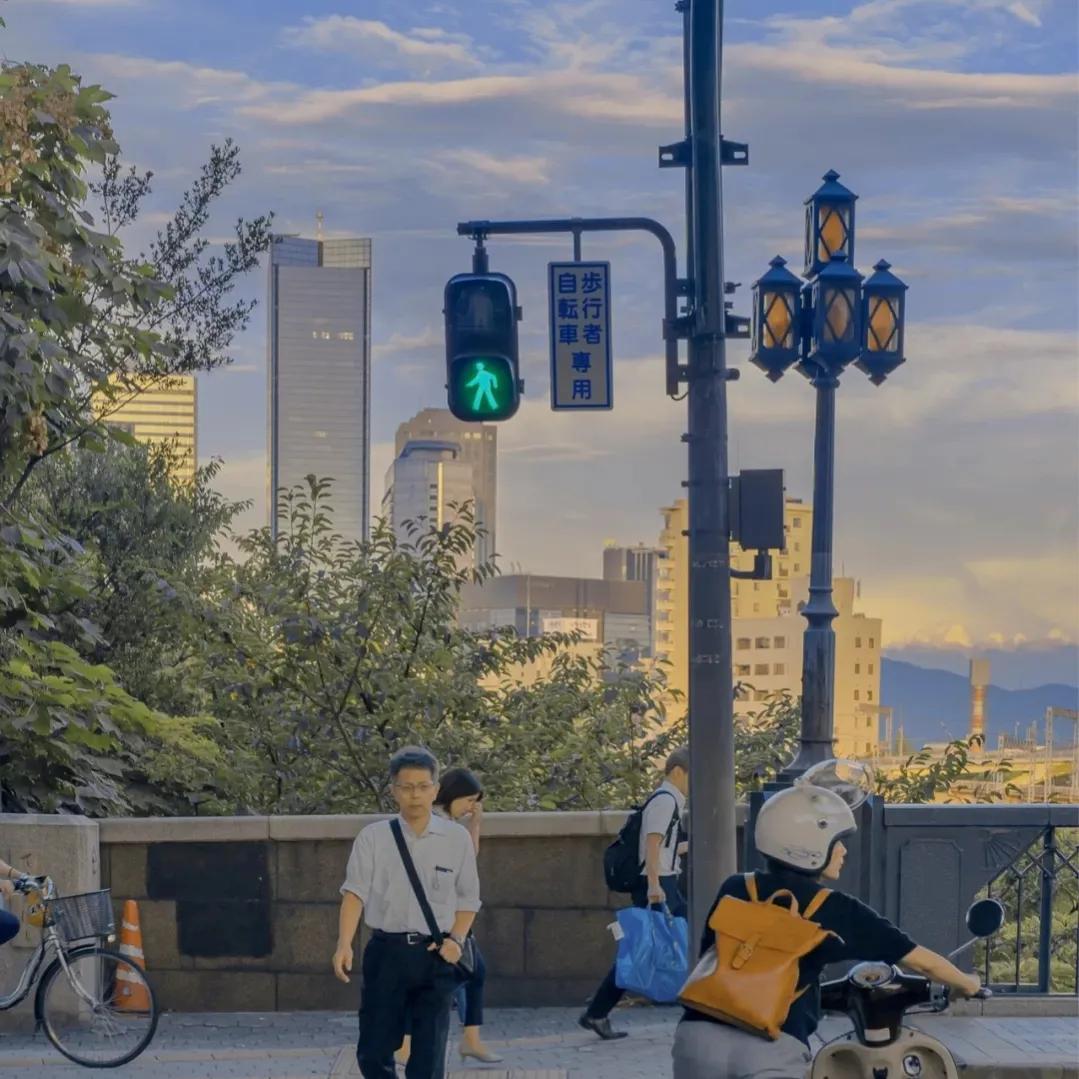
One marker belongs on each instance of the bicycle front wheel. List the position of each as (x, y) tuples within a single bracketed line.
[(100, 1011)]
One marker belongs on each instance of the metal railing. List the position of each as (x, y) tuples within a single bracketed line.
[(1038, 950)]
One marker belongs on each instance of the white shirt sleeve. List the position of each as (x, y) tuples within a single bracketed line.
[(468, 878), (656, 819), (361, 866)]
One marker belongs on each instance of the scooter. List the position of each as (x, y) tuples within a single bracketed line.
[(876, 997)]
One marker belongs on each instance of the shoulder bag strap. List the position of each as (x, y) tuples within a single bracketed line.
[(751, 887), (816, 903), (414, 880)]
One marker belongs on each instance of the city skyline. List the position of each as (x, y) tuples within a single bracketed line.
[(953, 122)]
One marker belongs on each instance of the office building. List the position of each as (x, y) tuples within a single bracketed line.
[(477, 446), (767, 629), (426, 486), (639, 563), (610, 614), (157, 411), (319, 364)]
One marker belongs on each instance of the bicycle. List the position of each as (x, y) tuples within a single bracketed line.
[(94, 1004)]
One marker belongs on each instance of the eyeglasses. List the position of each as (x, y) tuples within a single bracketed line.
[(413, 788)]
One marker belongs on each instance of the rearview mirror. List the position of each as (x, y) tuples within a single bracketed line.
[(985, 917)]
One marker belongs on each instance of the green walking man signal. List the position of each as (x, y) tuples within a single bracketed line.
[(482, 379)]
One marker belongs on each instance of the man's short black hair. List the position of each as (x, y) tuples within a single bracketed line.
[(679, 758), (413, 757)]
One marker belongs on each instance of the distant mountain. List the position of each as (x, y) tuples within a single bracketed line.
[(934, 705), (1036, 663)]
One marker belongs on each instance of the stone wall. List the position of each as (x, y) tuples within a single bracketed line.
[(240, 914)]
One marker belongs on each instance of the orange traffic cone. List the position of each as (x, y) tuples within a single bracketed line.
[(131, 994)]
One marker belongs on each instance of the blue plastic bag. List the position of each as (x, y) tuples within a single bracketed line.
[(652, 953)]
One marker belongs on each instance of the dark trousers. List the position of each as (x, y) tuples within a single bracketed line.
[(404, 987), (608, 994), (469, 997), (9, 926)]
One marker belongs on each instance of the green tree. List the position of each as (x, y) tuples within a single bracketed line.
[(323, 655), (76, 315)]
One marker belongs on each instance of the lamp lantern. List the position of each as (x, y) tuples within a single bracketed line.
[(835, 335), (883, 317), (829, 224), (777, 320)]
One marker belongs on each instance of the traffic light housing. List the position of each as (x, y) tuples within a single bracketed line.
[(482, 379)]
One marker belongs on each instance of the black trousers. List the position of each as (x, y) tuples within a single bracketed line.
[(608, 994), (404, 987)]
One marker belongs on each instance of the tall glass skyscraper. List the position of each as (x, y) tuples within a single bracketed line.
[(319, 365)]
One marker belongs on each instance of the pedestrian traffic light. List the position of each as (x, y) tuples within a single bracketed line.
[(482, 381)]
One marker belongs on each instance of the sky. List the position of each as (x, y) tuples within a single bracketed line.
[(955, 121)]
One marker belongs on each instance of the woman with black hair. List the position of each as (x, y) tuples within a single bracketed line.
[(460, 798)]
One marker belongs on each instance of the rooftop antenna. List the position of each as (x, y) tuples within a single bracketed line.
[(318, 225)]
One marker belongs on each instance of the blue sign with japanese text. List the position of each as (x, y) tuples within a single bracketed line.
[(580, 335)]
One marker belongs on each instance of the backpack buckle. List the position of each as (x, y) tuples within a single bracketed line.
[(745, 950)]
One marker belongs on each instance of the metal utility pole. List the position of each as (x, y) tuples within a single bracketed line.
[(713, 853)]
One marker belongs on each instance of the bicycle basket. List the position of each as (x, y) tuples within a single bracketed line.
[(80, 917)]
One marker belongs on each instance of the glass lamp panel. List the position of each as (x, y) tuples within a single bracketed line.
[(833, 230), (883, 324), (839, 315), (778, 321)]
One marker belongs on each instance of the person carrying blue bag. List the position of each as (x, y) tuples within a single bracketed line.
[(643, 862)]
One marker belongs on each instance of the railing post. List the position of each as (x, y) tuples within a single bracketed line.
[(1045, 928)]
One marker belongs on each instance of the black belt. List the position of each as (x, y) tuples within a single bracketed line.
[(411, 939)]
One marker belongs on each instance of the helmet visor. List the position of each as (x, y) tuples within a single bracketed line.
[(853, 781)]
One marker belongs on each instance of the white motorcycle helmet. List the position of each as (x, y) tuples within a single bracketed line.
[(798, 827)]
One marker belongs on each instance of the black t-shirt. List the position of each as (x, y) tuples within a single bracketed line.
[(864, 934)]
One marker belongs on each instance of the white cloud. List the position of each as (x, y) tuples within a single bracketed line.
[(501, 167), (426, 48)]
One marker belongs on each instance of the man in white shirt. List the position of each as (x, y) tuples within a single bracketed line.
[(408, 975), (658, 854)]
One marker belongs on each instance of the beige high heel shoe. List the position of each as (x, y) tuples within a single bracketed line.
[(483, 1055)]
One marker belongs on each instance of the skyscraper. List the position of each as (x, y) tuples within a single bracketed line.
[(477, 445), (155, 411), (319, 367), (638, 563), (426, 480)]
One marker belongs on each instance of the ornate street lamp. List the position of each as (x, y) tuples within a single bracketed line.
[(883, 313), (822, 327), (829, 224)]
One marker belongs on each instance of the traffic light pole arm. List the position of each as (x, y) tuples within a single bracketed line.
[(673, 326)]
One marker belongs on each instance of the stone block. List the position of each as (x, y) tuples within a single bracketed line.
[(568, 943), (65, 848), (216, 990), (543, 872), (501, 936), (184, 829), (317, 992), (305, 936), (339, 827), (127, 870), (160, 941), (311, 871)]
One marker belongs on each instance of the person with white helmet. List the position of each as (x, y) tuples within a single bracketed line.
[(800, 832)]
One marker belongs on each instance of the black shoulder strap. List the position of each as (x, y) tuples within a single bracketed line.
[(414, 880)]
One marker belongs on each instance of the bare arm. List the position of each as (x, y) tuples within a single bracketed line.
[(348, 921), (652, 845), (939, 969)]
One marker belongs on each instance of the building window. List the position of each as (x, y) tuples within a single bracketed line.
[(797, 546), (783, 571), (868, 694), (743, 643), (857, 642), (760, 695), (779, 668), (857, 668), (870, 668), (857, 695), (797, 567), (872, 643), (779, 642), (756, 608), (741, 669), (762, 642), (761, 668), (796, 522)]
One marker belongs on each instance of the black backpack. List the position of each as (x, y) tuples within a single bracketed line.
[(621, 860)]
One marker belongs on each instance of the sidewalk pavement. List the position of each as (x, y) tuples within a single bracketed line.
[(538, 1043)]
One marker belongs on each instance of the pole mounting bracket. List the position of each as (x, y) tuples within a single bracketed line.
[(678, 155), (732, 153)]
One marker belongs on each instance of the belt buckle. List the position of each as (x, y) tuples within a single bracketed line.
[(413, 939)]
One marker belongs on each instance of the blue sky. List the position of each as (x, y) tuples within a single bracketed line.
[(954, 120)]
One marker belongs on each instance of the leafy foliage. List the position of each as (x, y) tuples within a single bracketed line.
[(951, 776), (324, 654)]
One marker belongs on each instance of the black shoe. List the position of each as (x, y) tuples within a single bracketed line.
[(602, 1027)]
